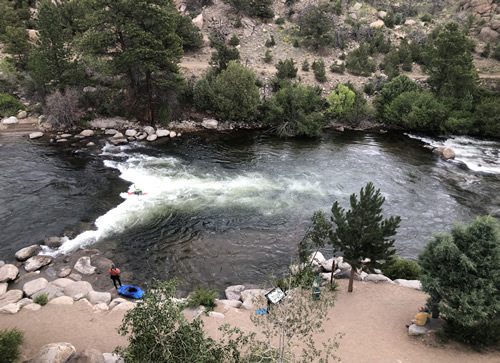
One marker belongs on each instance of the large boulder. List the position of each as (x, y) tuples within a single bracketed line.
[(78, 289), (377, 24), (62, 300), (198, 21), (52, 291), (62, 282), (87, 133), (33, 286), (126, 306), (117, 301), (35, 135), (223, 306), (316, 259), (152, 137), (11, 297), (377, 278), (96, 297), (10, 309), (83, 266), (32, 307), (101, 263), (54, 353), (130, 132), (8, 272), (87, 356), (328, 265), (22, 115), (488, 35), (10, 121), (36, 262), (210, 123), (234, 292), (149, 130), (250, 294), (444, 152), (381, 14), (27, 252), (162, 133), (3, 288)]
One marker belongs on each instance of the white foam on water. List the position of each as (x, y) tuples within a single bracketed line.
[(479, 155), (169, 184)]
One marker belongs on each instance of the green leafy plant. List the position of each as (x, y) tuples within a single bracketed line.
[(238, 23), (337, 67), (10, 341), (280, 21), (369, 88), (157, 331), (42, 299), (389, 19), (318, 68), (305, 65), (268, 57), (461, 271), (286, 69), (270, 42), (201, 296), (426, 18), (9, 105), (234, 41), (399, 268)]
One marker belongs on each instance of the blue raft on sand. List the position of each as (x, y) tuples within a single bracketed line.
[(130, 291)]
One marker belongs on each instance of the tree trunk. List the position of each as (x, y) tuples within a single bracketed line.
[(150, 99), (351, 279)]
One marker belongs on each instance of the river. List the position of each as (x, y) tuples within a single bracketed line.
[(230, 208)]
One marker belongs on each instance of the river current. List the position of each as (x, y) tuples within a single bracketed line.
[(225, 209)]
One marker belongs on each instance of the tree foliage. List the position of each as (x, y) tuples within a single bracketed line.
[(223, 55), (9, 105), (358, 61), (10, 344), (315, 237), (448, 61), (340, 100), (463, 270), (295, 110), (286, 69), (316, 27), (158, 332), (361, 233), (393, 89), (236, 96)]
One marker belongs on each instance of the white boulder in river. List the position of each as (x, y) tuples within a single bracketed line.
[(27, 252), (33, 286), (8, 272), (35, 262), (36, 135), (83, 266), (10, 121)]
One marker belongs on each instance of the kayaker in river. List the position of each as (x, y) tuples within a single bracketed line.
[(114, 273)]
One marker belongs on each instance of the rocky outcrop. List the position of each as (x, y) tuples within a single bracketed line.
[(83, 266), (198, 21), (96, 297), (36, 262), (234, 292), (87, 356), (27, 252), (78, 289), (54, 353), (33, 286), (488, 35), (8, 272), (11, 297)]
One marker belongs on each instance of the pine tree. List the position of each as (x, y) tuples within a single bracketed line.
[(462, 269), (361, 233)]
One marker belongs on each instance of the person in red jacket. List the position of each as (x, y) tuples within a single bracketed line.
[(114, 273)]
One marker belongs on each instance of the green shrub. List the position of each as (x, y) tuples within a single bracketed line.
[(389, 19), (201, 296), (399, 268), (286, 69), (342, 56), (426, 18), (9, 105), (369, 88), (305, 65), (280, 21), (337, 68), (10, 340), (268, 57), (41, 299), (316, 27), (399, 19), (238, 23), (486, 51), (358, 62), (234, 41), (318, 68), (496, 52), (270, 42), (296, 43)]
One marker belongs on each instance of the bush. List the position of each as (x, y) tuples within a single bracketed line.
[(234, 41), (62, 109), (41, 299), (223, 55), (268, 57), (270, 42), (486, 51), (10, 340), (203, 93), (426, 18), (389, 19), (369, 88), (496, 52), (238, 23), (337, 67), (400, 268), (280, 21), (296, 43), (461, 270), (305, 65), (318, 68), (157, 331), (9, 105), (358, 62), (205, 297), (316, 27), (399, 19), (286, 69)]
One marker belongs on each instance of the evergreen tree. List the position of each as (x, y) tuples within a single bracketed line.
[(139, 41), (223, 55), (391, 63), (361, 233), (17, 43), (235, 92), (318, 68), (405, 55), (51, 61), (462, 269), (448, 61)]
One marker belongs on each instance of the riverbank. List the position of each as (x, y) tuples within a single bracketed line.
[(372, 318)]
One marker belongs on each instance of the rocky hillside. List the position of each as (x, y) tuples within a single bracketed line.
[(482, 16)]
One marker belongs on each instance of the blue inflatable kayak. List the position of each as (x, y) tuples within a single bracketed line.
[(130, 291)]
